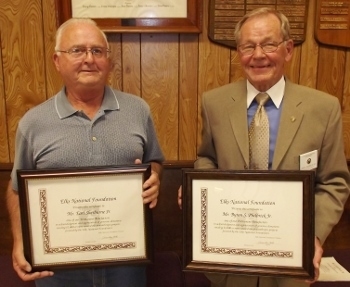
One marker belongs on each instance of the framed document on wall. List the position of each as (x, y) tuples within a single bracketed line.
[(85, 217), (249, 222), (125, 16)]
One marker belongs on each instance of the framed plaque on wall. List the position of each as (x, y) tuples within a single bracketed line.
[(125, 16), (333, 23), (223, 18)]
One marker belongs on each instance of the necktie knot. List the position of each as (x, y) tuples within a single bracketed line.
[(262, 98)]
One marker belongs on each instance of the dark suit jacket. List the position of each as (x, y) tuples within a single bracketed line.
[(310, 120)]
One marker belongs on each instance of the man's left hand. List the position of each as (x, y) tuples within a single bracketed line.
[(151, 185)]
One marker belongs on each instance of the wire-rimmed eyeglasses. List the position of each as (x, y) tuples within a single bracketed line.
[(79, 52), (269, 47)]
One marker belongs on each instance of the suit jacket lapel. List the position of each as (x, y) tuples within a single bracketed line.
[(237, 110), (291, 117)]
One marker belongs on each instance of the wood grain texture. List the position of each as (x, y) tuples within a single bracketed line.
[(131, 63), (213, 66), (4, 142), (116, 76), (23, 61), (236, 71), (188, 91), (309, 51), (170, 71), (292, 68), (160, 86), (331, 68), (52, 77)]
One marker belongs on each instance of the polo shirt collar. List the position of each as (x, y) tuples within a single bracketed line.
[(64, 108)]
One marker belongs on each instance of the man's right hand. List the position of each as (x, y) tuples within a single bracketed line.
[(23, 268), (20, 264)]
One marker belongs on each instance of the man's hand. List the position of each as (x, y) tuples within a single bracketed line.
[(152, 184), (23, 268), (179, 197), (317, 260), (20, 264)]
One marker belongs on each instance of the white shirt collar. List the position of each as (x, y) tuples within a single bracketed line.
[(276, 92)]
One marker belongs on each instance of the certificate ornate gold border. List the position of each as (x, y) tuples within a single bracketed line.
[(191, 24)]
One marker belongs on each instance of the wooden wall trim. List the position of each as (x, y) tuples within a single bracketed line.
[(6, 166)]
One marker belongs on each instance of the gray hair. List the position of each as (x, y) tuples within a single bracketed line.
[(73, 21), (264, 11)]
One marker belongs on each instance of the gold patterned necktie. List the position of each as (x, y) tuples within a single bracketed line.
[(259, 136)]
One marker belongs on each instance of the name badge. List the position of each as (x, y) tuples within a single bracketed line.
[(308, 161)]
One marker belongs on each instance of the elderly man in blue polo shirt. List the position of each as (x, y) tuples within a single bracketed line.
[(85, 124)]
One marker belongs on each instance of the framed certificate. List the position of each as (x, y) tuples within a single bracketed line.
[(136, 16), (249, 222), (85, 217)]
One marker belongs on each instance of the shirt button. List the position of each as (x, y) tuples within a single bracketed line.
[(94, 139)]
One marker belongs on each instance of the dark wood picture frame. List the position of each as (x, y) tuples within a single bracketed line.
[(191, 264), (191, 24), (109, 249)]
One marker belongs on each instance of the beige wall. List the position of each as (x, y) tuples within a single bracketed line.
[(170, 71)]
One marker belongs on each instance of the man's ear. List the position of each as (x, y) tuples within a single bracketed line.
[(289, 48), (55, 59)]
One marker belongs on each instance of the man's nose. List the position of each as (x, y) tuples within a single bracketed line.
[(258, 50), (89, 55)]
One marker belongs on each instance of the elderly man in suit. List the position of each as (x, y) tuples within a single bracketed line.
[(301, 121)]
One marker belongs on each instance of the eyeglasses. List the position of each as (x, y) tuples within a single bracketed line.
[(79, 52), (248, 49)]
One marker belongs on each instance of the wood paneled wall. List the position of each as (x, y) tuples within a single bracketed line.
[(170, 71)]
